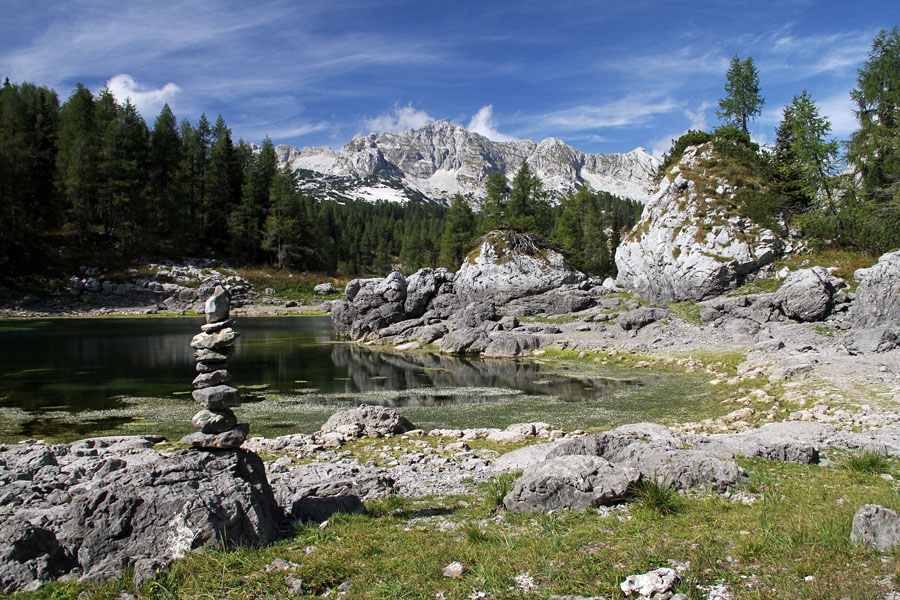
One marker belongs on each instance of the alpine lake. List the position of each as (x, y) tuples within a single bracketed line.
[(64, 379)]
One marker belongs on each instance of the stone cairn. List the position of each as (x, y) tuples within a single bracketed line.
[(217, 425)]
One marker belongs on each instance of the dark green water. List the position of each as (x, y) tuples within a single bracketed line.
[(69, 378)]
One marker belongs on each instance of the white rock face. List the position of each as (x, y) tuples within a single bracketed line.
[(442, 159), (685, 246), (497, 274)]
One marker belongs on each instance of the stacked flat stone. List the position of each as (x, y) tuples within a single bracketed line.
[(217, 424)]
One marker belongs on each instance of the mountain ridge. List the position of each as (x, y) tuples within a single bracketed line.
[(441, 159)]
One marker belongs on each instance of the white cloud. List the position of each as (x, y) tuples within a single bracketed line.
[(627, 111), (839, 109), (148, 101), (698, 122), (483, 122), (400, 119)]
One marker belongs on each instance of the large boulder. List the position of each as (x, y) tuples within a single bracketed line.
[(508, 265), (575, 482), (877, 301), (689, 244), (421, 287), (877, 526), (371, 421), (806, 294), (371, 305), (97, 507), (656, 453)]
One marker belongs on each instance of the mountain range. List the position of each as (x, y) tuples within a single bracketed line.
[(441, 159)]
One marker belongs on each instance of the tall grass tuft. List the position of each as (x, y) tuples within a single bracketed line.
[(659, 499), (497, 489), (867, 461)]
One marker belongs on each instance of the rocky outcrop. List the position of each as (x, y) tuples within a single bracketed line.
[(461, 312), (93, 508), (507, 266), (688, 244), (878, 295), (876, 310), (600, 469), (440, 160)]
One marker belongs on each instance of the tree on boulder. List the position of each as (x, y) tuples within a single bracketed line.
[(743, 101), (522, 207)]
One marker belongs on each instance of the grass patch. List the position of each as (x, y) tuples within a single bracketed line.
[(825, 330), (497, 489), (867, 461), (687, 311), (293, 285), (759, 286)]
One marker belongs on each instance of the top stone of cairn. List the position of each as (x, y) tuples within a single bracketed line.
[(217, 306)]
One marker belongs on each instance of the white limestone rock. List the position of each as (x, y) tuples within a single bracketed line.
[(685, 246), (501, 272)]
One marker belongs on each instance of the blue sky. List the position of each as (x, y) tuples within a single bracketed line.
[(602, 76)]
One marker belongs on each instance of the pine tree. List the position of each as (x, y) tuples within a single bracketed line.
[(223, 191), (286, 228), (248, 219), (743, 101), (78, 155), (165, 160), (874, 151), (458, 234)]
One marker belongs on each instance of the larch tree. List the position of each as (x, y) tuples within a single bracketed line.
[(742, 102), (804, 153)]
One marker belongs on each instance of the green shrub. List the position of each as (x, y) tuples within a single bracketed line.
[(676, 151)]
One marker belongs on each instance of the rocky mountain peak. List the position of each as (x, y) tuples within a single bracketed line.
[(440, 159)]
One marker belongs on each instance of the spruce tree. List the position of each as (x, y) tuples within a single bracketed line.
[(78, 155)]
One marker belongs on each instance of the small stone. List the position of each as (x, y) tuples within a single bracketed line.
[(218, 421), (659, 581), (205, 380), (214, 327), (217, 306), (295, 586), (217, 397), (213, 356), (228, 440), (454, 570), (208, 367)]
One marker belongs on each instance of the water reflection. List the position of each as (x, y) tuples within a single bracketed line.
[(435, 380), (89, 364)]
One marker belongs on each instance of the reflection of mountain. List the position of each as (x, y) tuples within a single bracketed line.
[(406, 378)]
